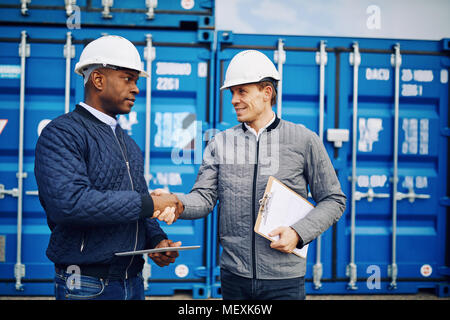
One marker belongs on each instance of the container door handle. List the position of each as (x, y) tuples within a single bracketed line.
[(411, 196), (14, 192), (370, 195)]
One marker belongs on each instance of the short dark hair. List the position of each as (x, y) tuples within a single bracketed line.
[(261, 85)]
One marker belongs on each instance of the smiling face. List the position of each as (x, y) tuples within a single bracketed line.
[(117, 90), (252, 104)]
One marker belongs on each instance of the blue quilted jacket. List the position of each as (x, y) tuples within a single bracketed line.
[(92, 188)]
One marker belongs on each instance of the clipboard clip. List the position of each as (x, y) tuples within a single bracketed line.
[(264, 203)]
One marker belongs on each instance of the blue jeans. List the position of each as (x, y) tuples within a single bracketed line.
[(71, 287), (235, 287)]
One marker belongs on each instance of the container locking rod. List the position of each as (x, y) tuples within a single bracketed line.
[(355, 60), (396, 62)]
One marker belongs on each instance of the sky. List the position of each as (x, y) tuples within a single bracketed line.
[(403, 19)]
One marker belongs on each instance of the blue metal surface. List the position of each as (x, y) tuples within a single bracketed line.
[(181, 74), (421, 225), (174, 14), (186, 103), (422, 163)]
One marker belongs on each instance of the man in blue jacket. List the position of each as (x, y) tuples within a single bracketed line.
[(91, 184)]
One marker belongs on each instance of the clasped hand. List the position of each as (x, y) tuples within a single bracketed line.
[(167, 206)]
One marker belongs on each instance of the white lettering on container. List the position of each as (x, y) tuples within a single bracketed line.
[(412, 90), (377, 74), (167, 84), (417, 75), (368, 133), (173, 68), (415, 142)]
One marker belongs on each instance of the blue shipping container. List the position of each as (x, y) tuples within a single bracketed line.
[(179, 98), (380, 245)]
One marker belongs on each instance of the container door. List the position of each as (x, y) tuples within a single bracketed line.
[(43, 99), (399, 243), (180, 85), (178, 103), (304, 90)]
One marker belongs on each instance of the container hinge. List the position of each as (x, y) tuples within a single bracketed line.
[(27, 50), (317, 275), (24, 8), (321, 55), (411, 195), (152, 49), (355, 56), (21, 175), (107, 4), (69, 6), (393, 272), (151, 5), (201, 272), (19, 272), (14, 192), (351, 273), (396, 58), (68, 47)]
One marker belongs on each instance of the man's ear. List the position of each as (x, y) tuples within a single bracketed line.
[(268, 93), (98, 80)]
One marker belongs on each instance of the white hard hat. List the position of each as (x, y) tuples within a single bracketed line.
[(110, 51), (249, 66)]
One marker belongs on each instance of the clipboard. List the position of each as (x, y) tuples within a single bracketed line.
[(281, 206), (165, 249)]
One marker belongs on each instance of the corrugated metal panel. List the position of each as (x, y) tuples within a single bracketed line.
[(407, 234), (180, 102)]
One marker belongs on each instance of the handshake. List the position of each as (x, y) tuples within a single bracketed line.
[(167, 206)]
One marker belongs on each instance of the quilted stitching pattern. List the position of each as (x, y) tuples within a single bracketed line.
[(86, 192)]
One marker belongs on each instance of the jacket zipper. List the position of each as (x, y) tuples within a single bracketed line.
[(255, 176), (82, 243), (132, 188)]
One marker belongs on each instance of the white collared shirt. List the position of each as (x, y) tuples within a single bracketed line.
[(257, 134), (103, 117)]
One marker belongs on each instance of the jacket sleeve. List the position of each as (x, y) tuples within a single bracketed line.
[(65, 190), (154, 234), (325, 189), (203, 196)]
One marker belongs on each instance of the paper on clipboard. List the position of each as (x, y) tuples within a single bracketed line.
[(281, 207)]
